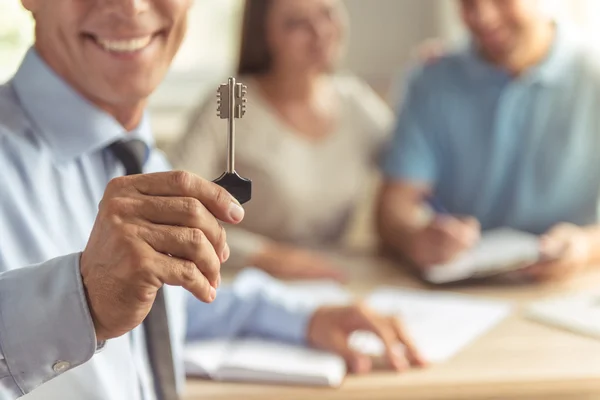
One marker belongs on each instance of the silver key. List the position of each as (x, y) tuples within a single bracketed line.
[(231, 100)]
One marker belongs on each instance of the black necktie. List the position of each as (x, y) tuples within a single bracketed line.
[(132, 154)]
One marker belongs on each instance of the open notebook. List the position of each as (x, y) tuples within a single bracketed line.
[(255, 360), (499, 251), (441, 325)]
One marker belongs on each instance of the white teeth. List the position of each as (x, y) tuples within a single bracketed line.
[(125, 46)]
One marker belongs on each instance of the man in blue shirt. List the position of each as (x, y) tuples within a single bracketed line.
[(85, 251), (502, 133)]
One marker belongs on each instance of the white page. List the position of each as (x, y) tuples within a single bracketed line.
[(259, 360), (440, 324), (577, 312), (203, 358), (499, 251), (268, 361)]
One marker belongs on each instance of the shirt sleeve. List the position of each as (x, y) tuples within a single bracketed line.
[(246, 309), (45, 324), (411, 155)]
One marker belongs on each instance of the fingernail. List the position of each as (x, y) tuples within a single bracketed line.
[(212, 294), (421, 362), (226, 253), (401, 364), (399, 360), (236, 212), (361, 365)]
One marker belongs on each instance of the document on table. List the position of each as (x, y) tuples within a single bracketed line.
[(440, 324), (576, 312), (499, 251)]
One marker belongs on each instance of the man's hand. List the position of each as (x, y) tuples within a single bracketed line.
[(442, 240), (152, 230), (567, 249), (429, 51), (331, 327), (286, 262)]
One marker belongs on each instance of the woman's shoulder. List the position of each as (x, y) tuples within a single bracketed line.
[(359, 99), (350, 86)]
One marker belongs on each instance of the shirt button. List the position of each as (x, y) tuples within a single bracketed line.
[(61, 366)]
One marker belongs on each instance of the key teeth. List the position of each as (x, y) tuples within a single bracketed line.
[(223, 101), (241, 90), (240, 111), (239, 99)]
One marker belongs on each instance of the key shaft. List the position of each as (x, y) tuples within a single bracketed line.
[(231, 100)]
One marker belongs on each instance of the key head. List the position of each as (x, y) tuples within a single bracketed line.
[(223, 101), (240, 100), (238, 187)]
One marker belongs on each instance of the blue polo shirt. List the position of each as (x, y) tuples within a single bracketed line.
[(513, 152)]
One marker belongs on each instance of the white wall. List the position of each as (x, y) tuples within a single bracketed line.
[(384, 32)]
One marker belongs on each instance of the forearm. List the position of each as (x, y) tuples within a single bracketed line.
[(45, 325), (249, 308), (399, 219)]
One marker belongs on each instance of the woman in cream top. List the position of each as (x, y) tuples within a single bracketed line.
[(308, 151)]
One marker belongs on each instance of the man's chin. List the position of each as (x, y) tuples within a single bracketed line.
[(136, 88), (125, 103)]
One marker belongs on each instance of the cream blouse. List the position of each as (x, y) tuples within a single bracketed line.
[(304, 192)]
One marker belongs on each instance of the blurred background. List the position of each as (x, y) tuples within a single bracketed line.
[(386, 38), (384, 34)]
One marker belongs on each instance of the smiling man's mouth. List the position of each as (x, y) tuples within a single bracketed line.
[(122, 46), (125, 46)]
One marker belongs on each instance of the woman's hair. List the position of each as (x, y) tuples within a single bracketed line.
[(255, 57)]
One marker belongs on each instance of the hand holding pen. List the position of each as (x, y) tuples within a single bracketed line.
[(444, 237)]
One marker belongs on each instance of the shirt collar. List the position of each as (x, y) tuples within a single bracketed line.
[(69, 123), (550, 71)]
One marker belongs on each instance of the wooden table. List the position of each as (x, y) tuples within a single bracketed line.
[(518, 359)]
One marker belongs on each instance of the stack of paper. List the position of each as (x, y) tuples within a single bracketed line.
[(254, 360), (499, 251)]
